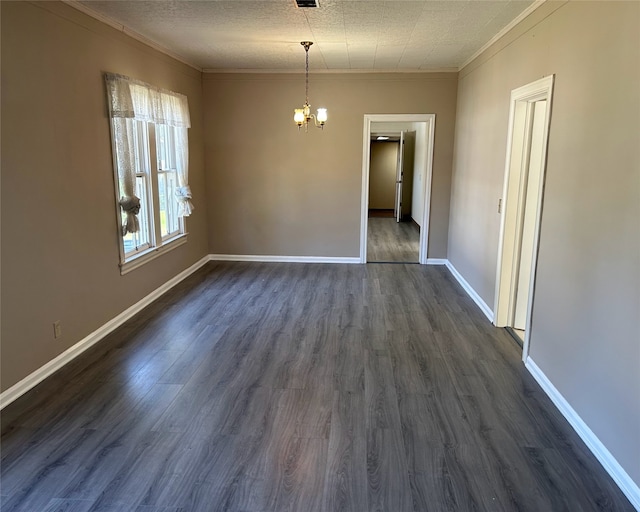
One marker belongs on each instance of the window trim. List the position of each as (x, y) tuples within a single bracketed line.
[(152, 253), (159, 246)]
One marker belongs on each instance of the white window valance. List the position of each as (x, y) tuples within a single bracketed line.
[(133, 99)]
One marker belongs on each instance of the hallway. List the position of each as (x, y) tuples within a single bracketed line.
[(391, 241)]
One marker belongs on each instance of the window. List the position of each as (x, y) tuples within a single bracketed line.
[(150, 143), (153, 175), (170, 221)]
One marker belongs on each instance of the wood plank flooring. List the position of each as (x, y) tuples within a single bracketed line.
[(392, 242), (255, 387)]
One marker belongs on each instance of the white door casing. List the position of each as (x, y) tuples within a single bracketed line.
[(532, 183), (519, 144), (399, 179), (429, 121)]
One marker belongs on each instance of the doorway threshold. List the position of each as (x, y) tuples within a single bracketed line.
[(394, 262)]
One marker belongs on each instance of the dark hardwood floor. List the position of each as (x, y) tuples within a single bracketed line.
[(389, 241), (261, 387)]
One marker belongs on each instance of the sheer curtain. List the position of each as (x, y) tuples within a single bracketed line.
[(124, 136), (183, 192), (130, 100)]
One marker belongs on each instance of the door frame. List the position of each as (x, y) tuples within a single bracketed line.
[(516, 163), (430, 120), (397, 206)]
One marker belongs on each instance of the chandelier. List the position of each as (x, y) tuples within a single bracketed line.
[(302, 116)]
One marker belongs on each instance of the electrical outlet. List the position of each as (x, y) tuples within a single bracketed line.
[(57, 329)]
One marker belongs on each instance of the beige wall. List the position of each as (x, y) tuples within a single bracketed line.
[(584, 334), (59, 230), (382, 175), (273, 190)]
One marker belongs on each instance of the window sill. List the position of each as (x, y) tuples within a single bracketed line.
[(144, 257)]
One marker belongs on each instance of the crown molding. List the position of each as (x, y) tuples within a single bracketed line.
[(535, 5), (411, 71), (128, 31), (139, 37)]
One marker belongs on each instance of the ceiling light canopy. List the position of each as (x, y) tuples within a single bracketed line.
[(303, 116)]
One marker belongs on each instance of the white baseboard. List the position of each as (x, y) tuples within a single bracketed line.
[(282, 259), (33, 379), (470, 291), (608, 461), (604, 456)]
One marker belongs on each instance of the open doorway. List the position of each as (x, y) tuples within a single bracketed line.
[(398, 212), (521, 208), (392, 234)]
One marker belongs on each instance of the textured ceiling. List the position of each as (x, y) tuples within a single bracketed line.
[(391, 35)]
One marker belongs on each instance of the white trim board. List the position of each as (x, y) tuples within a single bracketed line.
[(516, 175), (608, 461), (470, 291), (429, 139), (33, 379), (599, 450), (107, 20), (503, 31), (604, 456), (283, 259), (48, 369)]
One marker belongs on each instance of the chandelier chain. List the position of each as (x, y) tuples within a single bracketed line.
[(306, 48)]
